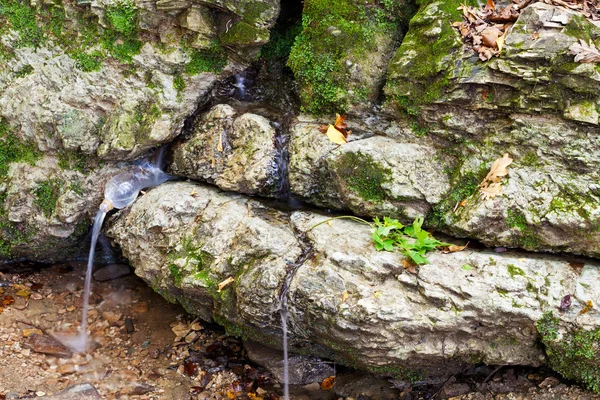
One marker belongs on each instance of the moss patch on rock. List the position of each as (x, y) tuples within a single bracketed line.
[(12, 149), (363, 175), (333, 34), (575, 355), (46, 195)]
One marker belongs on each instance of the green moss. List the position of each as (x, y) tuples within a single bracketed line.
[(47, 193), (88, 62), (530, 159), (76, 188), (281, 42), (464, 186), (14, 150), (579, 27), (333, 32), (514, 270), (179, 84), (526, 237), (123, 17), (423, 66), (24, 71), (175, 273), (22, 18), (363, 175), (211, 59), (575, 355), (75, 160), (244, 34)]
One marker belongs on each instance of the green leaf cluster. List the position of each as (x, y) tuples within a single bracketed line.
[(410, 240)]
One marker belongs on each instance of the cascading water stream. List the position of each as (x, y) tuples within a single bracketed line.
[(80, 342), (120, 192)]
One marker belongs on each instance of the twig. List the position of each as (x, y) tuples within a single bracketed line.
[(493, 373)]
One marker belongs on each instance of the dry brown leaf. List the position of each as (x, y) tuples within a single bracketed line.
[(8, 300), (588, 306), (490, 36), (220, 144), (492, 190), (585, 53), (498, 169), (409, 266), (225, 283), (194, 193), (454, 248), (328, 383), (490, 5)]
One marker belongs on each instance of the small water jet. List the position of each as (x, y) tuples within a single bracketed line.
[(120, 192)]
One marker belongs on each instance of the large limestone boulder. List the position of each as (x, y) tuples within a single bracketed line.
[(236, 152), (86, 84), (348, 301)]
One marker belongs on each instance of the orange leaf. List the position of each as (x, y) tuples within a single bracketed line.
[(8, 300), (409, 266), (328, 383), (335, 135), (490, 5), (588, 306), (454, 248)]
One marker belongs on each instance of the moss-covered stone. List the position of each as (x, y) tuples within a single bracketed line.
[(363, 175), (244, 34), (12, 149), (47, 193), (575, 355), (336, 35)]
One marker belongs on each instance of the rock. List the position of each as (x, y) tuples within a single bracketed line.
[(359, 384), (235, 152), (111, 317), (303, 370), (370, 176), (391, 322), (137, 389), (112, 271), (66, 369), (47, 345), (81, 391), (476, 112), (75, 105)]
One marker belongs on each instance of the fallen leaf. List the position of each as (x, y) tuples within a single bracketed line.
[(193, 193), (8, 300), (535, 35), (491, 186), (454, 248), (585, 53), (328, 383), (409, 266), (29, 332), (225, 283), (212, 163), (490, 36), (23, 293), (491, 191), (490, 5), (484, 94), (467, 267), (463, 203), (377, 294), (588, 306), (335, 135), (344, 296), (498, 169), (180, 330), (220, 144)]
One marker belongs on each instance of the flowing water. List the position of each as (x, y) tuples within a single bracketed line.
[(80, 342)]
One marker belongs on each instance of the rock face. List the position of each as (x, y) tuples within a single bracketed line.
[(235, 152), (532, 102), (89, 83), (347, 301)]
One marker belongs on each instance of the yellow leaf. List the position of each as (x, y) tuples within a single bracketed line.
[(29, 332), (500, 42), (225, 283), (377, 294), (588, 306), (220, 144), (345, 296), (335, 136), (23, 293)]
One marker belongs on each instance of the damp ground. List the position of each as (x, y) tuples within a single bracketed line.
[(147, 348)]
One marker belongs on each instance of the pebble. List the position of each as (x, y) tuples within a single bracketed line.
[(47, 345)]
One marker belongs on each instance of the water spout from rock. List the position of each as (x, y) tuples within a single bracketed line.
[(120, 192)]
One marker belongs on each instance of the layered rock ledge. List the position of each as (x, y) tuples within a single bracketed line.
[(348, 301)]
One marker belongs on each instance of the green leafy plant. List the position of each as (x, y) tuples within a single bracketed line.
[(390, 235)]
